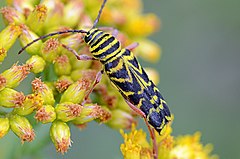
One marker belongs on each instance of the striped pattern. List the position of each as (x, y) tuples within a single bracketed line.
[(129, 77)]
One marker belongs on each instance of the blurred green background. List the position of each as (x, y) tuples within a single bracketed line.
[(200, 78)]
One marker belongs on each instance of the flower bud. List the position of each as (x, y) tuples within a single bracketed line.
[(120, 120), (38, 63), (136, 26), (62, 65), (4, 126), (121, 104), (22, 128), (10, 98), (23, 6), (63, 83), (11, 15), (85, 22), (28, 36), (88, 74), (74, 41), (51, 86), (67, 111), (3, 54), (149, 50), (31, 102), (16, 74), (72, 13), (54, 14), (91, 112), (41, 88), (8, 37), (3, 82), (50, 49), (36, 18), (75, 92), (46, 114), (60, 135)]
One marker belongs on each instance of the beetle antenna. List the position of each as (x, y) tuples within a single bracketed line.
[(99, 14), (51, 34)]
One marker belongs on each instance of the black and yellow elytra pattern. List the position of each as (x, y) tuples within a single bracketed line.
[(129, 77)]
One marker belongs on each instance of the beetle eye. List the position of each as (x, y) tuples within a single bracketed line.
[(88, 37)]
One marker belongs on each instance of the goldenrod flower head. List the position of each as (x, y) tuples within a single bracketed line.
[(68, 111), (136, 26), (165, 147), (31, 103), (120, 119), (3, 82), (37, 62), (10, 98), (11, 15), (74, 41), (86, 22), (189, 146), (63, 83), (60, 135), (153, 75), (4, 126), (23, 6), (36, 18), (41, 88), (75, 92), (135, 145), (9, 35), (50, 49), (55, 11), (22, 128), (3, 54), (62, 65), (45, 114), (90, 112), (149, 50), (28, 36), (87, 74), (16, 74), (72, 13)]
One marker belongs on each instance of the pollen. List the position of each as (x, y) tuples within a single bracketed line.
[(41, 12), (51, 44), (8, 13), (42, 115), (18, 99), (2, 82), (37, 84), (28, 135), (62, 59), (75, 109), (83, 84), (63, 145), (62, 85)]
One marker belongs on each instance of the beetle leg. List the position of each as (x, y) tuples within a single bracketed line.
[(150, 129), (96, 81), (132, 46), (79, 57)]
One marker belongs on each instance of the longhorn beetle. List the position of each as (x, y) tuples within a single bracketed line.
[(125, 73)]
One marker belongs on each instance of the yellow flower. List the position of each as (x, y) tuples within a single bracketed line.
[(135, 144), (189, 147)]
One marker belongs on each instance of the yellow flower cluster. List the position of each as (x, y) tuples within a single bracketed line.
[(136, 146), (62, 82)]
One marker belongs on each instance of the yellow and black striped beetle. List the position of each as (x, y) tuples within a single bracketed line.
[(125, 73)]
